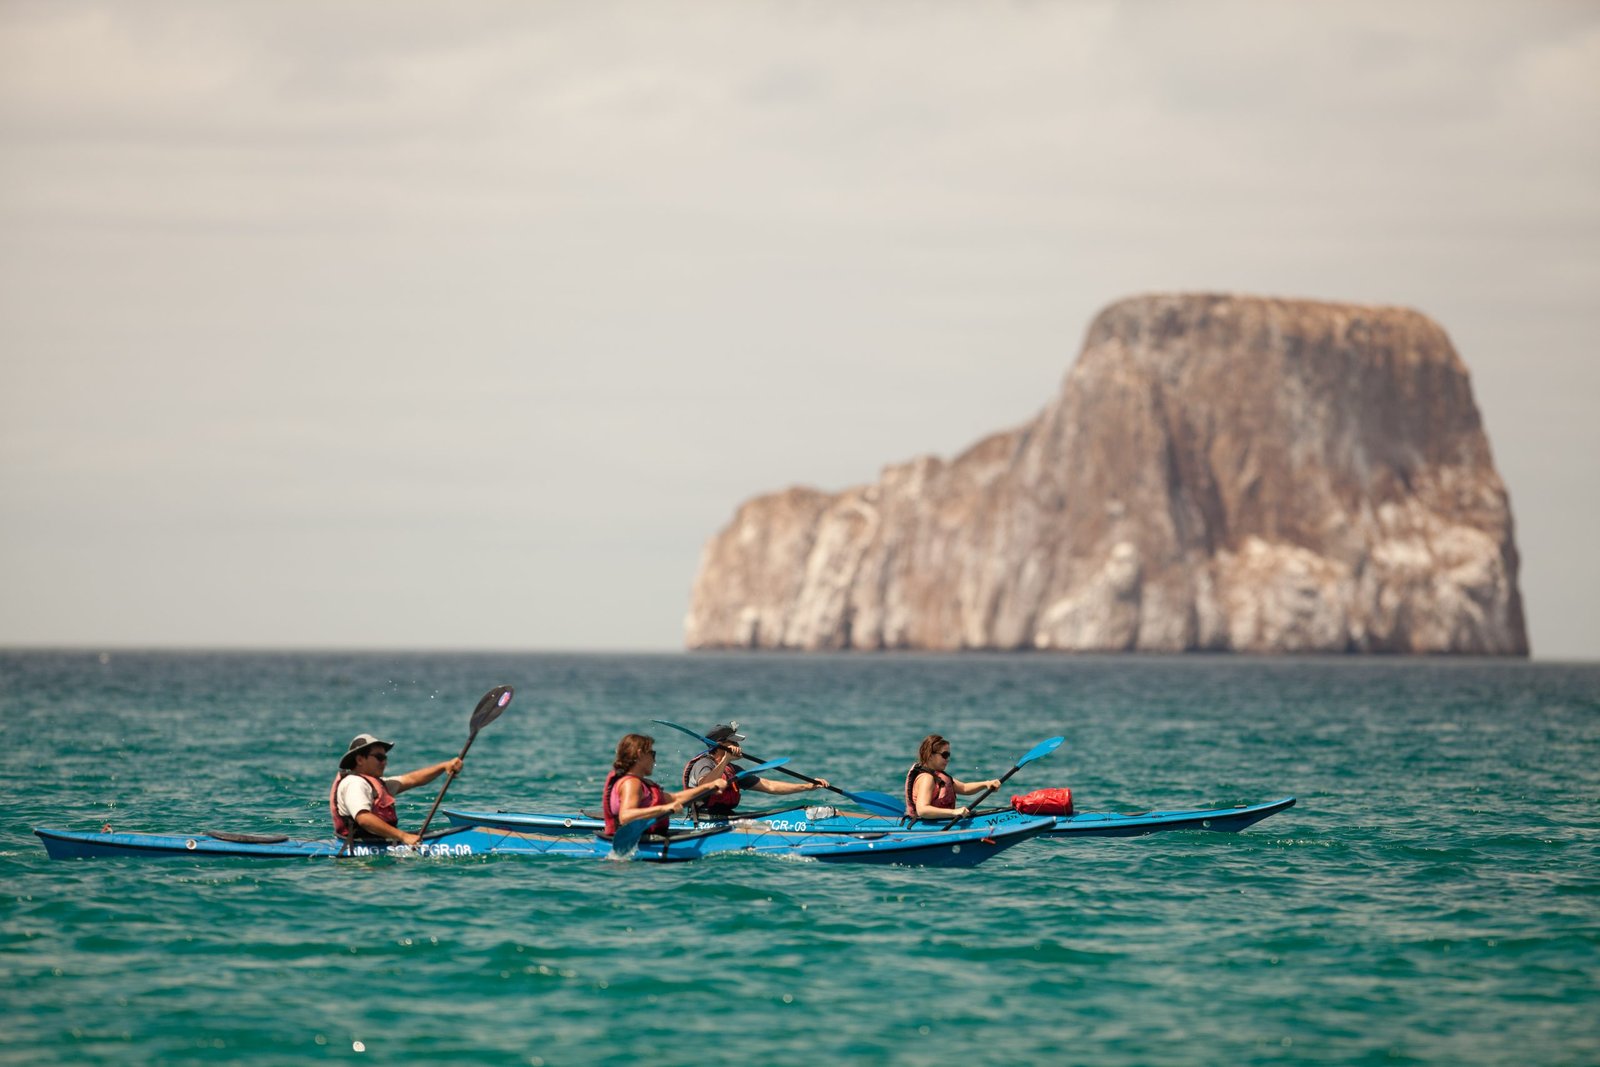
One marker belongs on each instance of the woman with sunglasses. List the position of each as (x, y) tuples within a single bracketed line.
[(362, 797), (630, 795), (931, 791)]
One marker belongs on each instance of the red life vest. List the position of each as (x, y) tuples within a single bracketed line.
[(944, 789), (652, 795), (382, 804), (719, 803)]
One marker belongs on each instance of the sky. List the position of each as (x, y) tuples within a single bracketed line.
[(409, 325)]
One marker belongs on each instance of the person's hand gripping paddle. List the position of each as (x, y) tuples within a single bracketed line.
[(1042, 749)]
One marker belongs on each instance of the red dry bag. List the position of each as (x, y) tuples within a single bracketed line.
[(1056, 801)]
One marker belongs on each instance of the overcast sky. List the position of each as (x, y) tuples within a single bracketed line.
[(466, 325)]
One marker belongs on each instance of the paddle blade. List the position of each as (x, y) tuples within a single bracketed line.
[(878, 803), (489, 709), (626, 840), (685, 730), (752, 772), (1039, 751)]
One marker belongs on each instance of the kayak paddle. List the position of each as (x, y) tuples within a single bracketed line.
[(1042, 749), (877, 802), (880, 802), (488, 710)]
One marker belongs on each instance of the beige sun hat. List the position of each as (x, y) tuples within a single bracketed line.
[(359, 743)]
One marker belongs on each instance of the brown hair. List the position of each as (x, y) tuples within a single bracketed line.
[(631, 749), (929, 743)]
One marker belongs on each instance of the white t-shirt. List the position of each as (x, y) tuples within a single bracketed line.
[(356, 794)]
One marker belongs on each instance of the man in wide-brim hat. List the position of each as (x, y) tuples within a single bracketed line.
[(362, 797)]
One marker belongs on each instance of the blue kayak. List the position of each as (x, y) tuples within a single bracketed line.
[(884, 844), (824, 819)]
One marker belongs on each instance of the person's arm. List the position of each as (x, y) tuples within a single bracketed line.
[(412, 779), (711, 763), (694, 792), (922, 795), (707, 765), (629, 810), (783, 789), (357, 793), (968, 788), (378, 828)]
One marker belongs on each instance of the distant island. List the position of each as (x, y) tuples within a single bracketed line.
[(1218, 473)]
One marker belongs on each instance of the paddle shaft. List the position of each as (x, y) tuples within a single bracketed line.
[(864, 801), (436, 800), (757, 759), (985, 794)]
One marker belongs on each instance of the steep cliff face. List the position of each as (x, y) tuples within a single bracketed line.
[(1217, 473)]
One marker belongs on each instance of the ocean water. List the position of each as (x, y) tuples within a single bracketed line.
[(1433, 898)]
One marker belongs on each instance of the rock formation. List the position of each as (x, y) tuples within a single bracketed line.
[(1217, 473)]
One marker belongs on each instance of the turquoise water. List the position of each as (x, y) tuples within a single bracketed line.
[(1433, 898)]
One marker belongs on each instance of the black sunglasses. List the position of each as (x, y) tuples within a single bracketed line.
[(381, 755), (945, 753)]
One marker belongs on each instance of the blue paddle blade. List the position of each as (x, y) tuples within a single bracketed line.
[(878, 803), (626, 840), (753, 772), (1043, 748), (702, 738)]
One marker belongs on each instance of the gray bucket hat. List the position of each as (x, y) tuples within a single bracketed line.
[(730, 732), (358, 743)]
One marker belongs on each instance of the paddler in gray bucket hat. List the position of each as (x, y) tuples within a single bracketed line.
[(717, 761), (362, 796)]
